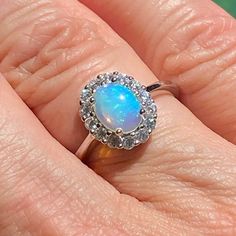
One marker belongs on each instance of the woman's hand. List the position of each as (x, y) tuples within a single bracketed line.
[(182, 182)]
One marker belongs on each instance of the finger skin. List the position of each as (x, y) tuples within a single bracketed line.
[(45, 190), (185, 170), (37, 192), (190, 42), (54, 72), (49, 58)]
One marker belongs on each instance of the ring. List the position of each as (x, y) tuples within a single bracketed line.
[(118, 111)]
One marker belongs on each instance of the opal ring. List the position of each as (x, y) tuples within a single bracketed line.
[(118, 111)]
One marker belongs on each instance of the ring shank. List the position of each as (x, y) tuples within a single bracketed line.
[(81, 152), (154, 89), (170, 87)]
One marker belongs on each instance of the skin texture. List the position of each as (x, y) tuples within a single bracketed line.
[(182, 182), (189, 42)]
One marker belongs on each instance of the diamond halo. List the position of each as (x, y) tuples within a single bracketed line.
[(118, 139)]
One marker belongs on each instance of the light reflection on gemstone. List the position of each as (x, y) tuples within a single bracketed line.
[(116, 106), (123, 104)]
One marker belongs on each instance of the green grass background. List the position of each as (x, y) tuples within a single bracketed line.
[(228, 5)]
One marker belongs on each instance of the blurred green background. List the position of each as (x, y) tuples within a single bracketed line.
[(228, 5)]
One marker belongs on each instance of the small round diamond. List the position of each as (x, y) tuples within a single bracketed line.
[(101, 133), (92, 85), (85, 94), (144, 96), (143, 135), (87, 123), (114, 141), (150, 122), (152, 108), (135, 86), (92, 124), (125, 80), (85, 111), (129, 143)]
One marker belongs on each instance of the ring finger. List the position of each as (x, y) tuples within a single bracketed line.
[(50, 49)]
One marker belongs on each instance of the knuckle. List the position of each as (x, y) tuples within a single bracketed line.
[(53, 47), (190, 40), (199, 40), (200, 44)]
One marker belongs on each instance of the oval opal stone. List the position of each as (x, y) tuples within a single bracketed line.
[(116, 106)]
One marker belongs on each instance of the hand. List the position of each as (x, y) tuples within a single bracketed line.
[(182, 182)]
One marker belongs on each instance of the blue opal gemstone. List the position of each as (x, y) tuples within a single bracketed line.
[(116, 106)]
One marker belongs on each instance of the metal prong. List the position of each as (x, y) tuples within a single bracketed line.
[(141, 126), (136, 142), (109, 132), (104, 140), (92, 131), (114, 79), (119, 131), (132, 134), (142, 111), (161, 85), (91, 100), (100, 76)]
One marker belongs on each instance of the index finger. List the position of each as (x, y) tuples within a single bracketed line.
[(190, 42)]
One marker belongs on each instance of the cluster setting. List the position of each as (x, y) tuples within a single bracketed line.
[(117, 110)]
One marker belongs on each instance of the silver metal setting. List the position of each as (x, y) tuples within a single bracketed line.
[(118, 139)]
